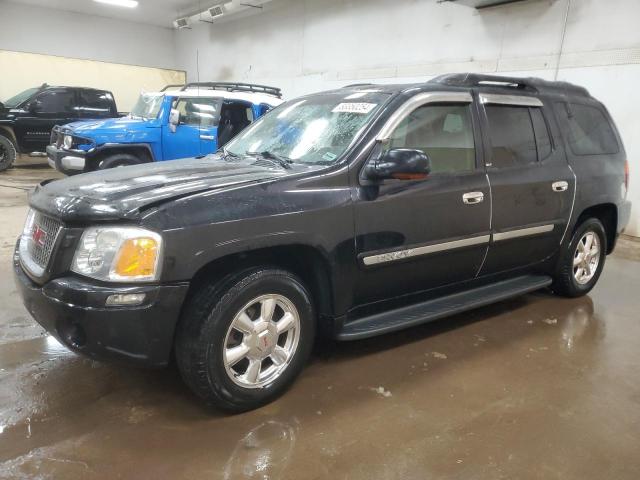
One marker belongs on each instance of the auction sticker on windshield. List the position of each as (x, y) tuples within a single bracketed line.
[(355, 107)]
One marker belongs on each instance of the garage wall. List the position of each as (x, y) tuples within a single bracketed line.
[(306, 45), (76, 35)]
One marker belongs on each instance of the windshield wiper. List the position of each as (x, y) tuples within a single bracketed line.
[(284, 162), (226, 154)]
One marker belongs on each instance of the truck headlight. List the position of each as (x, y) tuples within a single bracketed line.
[(67, 142), (118, 254)]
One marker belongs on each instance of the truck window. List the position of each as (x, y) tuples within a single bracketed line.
[(512, 139), (56, 101), (95, 102), (201, 112), (443, 132), (541, 131), (588, 130)]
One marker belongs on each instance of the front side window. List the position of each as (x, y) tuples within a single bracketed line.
[(316, 129), (589, 131), (56, 101), (443, 132), (201, 112), (148, 106), (512, 139)]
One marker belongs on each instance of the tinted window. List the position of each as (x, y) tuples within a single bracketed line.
[(202, 112), (512, 139), (444, 132), (588, 130), (56, 101), (543, 141), (94, 102)]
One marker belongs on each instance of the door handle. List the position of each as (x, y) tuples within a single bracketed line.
[(207, 137), (472, 198), (560, 186)]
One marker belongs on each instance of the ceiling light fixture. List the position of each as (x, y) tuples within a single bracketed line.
[(119, 3)]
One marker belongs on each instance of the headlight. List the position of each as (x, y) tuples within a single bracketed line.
[(118, 254), (67, 141)]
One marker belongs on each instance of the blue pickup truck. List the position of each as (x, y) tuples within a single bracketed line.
[(178, 122)]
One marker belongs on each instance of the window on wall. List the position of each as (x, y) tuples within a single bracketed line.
[(513, 142), (443, 132), (589, 131)]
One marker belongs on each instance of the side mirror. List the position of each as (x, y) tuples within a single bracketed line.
[(35, 106), (174, 119), (400, 164)]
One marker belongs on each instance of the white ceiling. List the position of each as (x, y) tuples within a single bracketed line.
[(154, 12)]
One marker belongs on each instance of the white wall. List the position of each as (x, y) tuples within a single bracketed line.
[(52, 32), (310, 45)]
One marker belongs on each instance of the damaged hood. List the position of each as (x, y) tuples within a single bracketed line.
[(121, 193)]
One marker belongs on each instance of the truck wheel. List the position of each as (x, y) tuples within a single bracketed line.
[(582, 260), (118, 160), (241, 342), (8, 153)]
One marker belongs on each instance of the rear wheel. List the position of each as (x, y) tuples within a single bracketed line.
[(8, 153), (582, 261), (241, 342), (118, 160)]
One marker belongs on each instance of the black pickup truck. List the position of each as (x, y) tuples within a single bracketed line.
[(26, 120), (350, 213)]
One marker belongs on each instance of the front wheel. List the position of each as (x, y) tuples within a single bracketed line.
[(8, 153), (241, 342), (118, 160), (582, 260)]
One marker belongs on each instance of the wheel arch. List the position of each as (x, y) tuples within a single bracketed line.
[(607, 213), (10, 134), (140, 150), (305, 261)]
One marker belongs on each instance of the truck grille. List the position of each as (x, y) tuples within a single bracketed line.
[(37, 241)]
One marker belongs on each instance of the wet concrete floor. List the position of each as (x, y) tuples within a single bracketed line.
[(536, 387)]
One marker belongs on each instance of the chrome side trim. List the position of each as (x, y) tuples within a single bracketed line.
[(573, 203), (424, 250), (417, 101), (522, 232), (517, 100)]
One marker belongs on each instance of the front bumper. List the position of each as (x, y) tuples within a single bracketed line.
[(73, 311), (67, 162)]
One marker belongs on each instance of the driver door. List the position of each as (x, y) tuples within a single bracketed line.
[(197, 132), (414, 235)]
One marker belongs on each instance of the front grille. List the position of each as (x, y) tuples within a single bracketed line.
[(39, 238)]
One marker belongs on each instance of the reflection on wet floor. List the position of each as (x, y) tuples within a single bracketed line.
[(535, 387)]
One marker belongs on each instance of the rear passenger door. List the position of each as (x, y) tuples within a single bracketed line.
[(532, 186)]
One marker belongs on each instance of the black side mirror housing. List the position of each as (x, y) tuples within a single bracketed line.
[(35, 106), (400, 164)]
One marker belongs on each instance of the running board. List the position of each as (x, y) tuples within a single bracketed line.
[(416, 314)]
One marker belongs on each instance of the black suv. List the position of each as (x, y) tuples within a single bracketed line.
[(26, 120), (351, 213)]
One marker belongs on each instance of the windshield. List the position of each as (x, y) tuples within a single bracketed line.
[(21, 97), (315, 130), (147, 106)]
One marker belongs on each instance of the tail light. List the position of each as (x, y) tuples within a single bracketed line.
[(626, 174)]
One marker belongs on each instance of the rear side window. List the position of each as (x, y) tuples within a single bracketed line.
[(94, 102), (541, 131), (512, 139), (443, 132), (588, 130)]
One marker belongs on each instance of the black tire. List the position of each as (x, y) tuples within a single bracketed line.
[(8, 153), (118, 160), (206, 321), (565, 282)]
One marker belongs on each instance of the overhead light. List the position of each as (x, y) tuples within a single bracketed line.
[(119, 3), (181, 23)]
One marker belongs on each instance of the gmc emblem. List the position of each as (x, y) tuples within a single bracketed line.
[(39, 236)]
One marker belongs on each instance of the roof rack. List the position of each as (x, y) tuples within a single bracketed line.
[(167, 87), (532, 84), (235, 87)]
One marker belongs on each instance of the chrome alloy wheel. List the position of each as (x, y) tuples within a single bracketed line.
[(586, 258), (261, 341)]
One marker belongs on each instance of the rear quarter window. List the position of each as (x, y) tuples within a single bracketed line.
[(587, 129)]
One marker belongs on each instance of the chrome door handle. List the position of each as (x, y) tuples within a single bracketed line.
[(207, 137), (472, 198), (560, 186)]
